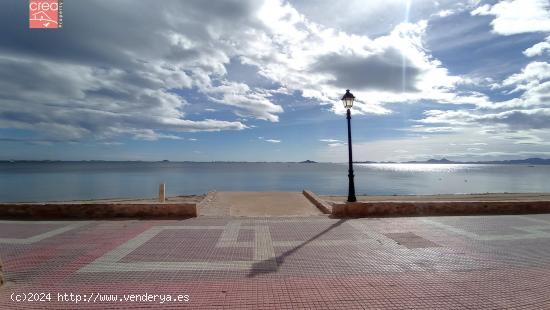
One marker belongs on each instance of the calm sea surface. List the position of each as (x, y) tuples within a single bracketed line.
[(85, 180)]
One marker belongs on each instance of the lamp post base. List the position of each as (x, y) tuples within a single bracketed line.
[(351, 189)]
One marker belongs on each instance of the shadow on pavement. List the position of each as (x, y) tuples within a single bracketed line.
[(272, 265)]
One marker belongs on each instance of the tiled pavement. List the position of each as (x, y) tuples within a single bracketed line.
[(475, 262)]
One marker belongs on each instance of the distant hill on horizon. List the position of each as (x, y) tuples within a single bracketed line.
[(528, 161)]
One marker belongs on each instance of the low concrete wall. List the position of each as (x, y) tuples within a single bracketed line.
[(403, 208), (318, 202), (97, 210)]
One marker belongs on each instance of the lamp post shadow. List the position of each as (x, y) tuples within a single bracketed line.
[(272, 265)]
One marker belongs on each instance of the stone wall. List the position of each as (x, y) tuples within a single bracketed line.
[(97, 210), (403, 208)]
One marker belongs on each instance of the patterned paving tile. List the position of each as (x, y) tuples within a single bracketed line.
[(485, 262), (178, 245), (26, 232)]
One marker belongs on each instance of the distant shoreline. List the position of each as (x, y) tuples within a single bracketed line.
[(528, 161)]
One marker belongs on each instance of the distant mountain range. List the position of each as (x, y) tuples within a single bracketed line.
[(528, 161)]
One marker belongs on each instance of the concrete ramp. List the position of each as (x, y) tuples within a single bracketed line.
[(257, 204)]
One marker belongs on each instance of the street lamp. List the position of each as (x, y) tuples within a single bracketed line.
[(348, 99)]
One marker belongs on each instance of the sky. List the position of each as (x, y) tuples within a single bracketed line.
[(261, 80)]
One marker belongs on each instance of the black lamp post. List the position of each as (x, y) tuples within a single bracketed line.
[(348, 99)]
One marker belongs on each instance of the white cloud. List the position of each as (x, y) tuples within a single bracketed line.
[(517, 125), (519, 119), (270, 140), (151, 135), (431, 129), (249, 102), (140, 84), (445, 13), (525, 119), (322, 62), (533, 72), (373, 18), (124, 82), (534, 83), (538, 49), (337, 144), (332, 142), (517, 16), (103, 80), (122, 85)]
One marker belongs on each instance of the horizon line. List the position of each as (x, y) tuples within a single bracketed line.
[(440, 161)]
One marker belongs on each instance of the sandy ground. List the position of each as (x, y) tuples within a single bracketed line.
[(467, 197), (259, 204)]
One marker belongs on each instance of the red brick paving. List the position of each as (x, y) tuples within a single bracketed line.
[(21, 230), (196, 245), (486, 262)]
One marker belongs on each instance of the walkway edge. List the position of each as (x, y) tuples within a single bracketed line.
[(318, 202)]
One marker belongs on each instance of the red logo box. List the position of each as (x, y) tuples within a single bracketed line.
[(45, 13)]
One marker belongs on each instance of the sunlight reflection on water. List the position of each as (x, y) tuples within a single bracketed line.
[(420, 167)]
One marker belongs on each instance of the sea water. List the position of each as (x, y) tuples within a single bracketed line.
[(55, 181)]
